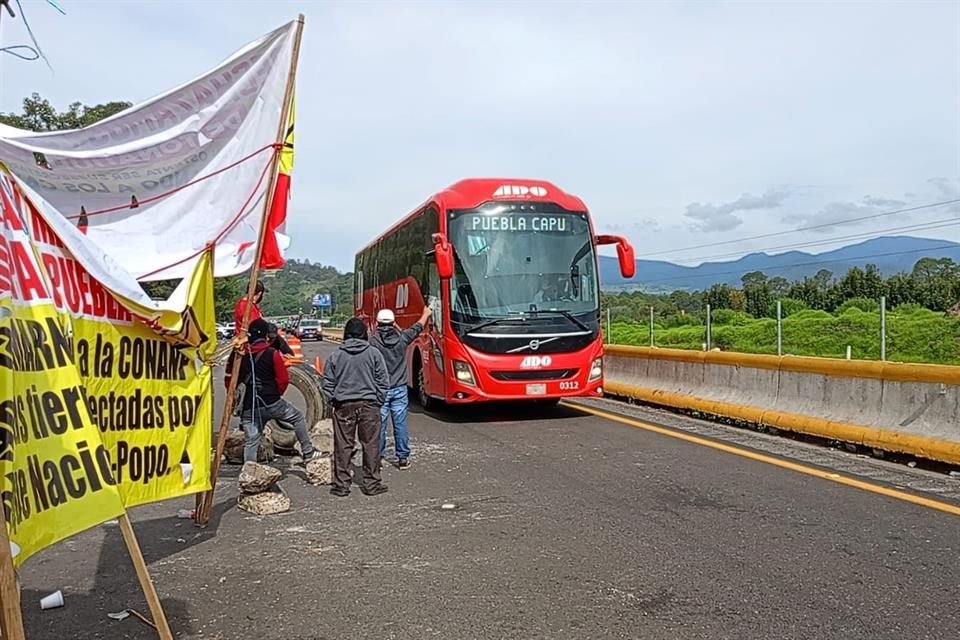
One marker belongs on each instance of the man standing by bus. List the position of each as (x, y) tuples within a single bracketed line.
[(355, 383), (393, 343)]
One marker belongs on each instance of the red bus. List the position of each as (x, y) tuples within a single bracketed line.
[(510, 269)]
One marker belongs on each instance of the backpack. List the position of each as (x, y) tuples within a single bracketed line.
[(241, 389)]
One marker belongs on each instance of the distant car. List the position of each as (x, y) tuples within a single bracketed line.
[(310, 330), (224, 331)]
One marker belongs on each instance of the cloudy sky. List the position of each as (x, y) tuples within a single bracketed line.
[(680, 124)]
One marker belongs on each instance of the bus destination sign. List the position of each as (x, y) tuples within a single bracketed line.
[(520, 222)]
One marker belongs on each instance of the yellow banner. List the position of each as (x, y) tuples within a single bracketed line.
[(151, 396), (56, 476), (104, 404)]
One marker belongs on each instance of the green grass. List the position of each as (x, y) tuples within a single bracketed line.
[(913, 335)]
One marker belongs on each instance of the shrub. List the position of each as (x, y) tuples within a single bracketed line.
[(730, 317), (863, 304), (788, 307)]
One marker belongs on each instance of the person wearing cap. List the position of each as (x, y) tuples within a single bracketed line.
[(355, 383), (265, 378), (392, 343)]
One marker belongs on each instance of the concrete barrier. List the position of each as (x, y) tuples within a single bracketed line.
[(333, 334), (908, 408)]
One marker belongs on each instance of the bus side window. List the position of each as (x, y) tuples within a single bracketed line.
[(434, 299)]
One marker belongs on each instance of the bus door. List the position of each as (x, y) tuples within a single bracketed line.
[(432, 354)]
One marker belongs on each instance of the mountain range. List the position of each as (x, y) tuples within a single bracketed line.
[(891, 254)]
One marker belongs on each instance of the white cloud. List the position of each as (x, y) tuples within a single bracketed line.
[(884, 212), (722, 217)]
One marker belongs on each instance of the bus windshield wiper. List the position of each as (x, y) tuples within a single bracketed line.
[(566, 314), (487, 323)]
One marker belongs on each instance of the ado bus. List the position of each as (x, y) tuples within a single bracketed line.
[(509, 268)]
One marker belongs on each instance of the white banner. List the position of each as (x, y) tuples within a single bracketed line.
[(195, 159)]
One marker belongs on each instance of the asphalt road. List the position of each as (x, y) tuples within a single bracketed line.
[(567, 525)]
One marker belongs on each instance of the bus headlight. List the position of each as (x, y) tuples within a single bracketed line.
[(463, 372), (596, 370)]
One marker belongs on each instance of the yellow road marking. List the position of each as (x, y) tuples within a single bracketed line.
[(830, 476)]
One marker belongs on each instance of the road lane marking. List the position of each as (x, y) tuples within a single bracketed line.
[(831, 476)]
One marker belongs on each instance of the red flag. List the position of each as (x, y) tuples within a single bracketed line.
[(272, 257)]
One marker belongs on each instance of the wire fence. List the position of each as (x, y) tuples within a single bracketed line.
[(908, 333)]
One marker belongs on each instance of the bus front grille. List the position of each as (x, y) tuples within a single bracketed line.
[(543, 374)]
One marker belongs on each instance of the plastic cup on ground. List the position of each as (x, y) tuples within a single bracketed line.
[(52, 601)]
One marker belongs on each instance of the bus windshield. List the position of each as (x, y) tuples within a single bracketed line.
[(518, 258)]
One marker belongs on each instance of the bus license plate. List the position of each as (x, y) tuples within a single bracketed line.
[(536, 389)]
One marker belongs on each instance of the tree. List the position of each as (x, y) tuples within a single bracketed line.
[(738, 301), (809, 292), (779, 286), (686, 301), (39, 115), (931, 268), (899, 289), (936, 283), (823, 278), (852, 285), (788, 307), (756, 290), (718, 296), (872, 282)]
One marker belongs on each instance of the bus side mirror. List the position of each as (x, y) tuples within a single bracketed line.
[(628, 263), (443, 254)]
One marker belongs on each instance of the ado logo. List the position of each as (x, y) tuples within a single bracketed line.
[(519, 190), (535, 362)]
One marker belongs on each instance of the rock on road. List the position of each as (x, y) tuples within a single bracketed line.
[(566, 525)]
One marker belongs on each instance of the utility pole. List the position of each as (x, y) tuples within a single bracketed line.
[(883, 328), (779, 328), (652, 343), (708, 327)]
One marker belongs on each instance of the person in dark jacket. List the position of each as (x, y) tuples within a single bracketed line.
[(393, 343), (355, 383), (263, 393)]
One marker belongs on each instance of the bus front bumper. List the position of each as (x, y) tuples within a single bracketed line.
[(465, 394), (569, 375)]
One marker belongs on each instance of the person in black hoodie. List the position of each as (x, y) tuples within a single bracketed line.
[(393, 343), (355, 383), (263, 393)]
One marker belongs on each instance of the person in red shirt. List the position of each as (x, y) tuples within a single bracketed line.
[(265, 379), (276, 341), (241, 305)]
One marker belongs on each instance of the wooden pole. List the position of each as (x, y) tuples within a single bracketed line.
[(206, 503), (143, 574), (11, 618)]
